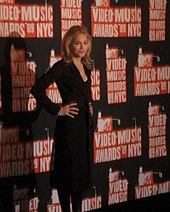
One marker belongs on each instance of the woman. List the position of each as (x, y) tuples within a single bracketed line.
[(73, 131)]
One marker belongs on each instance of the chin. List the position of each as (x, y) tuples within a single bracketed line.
[(82, 54), (79, 55)]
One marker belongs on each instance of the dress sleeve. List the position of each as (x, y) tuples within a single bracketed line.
[(38, 90), (90, 80)]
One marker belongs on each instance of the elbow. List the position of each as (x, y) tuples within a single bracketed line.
[(32, 90)]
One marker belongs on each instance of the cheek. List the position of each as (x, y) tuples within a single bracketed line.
[(86, 49), (74, 48)]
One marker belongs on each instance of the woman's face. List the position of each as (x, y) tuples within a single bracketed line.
[(79, 46)]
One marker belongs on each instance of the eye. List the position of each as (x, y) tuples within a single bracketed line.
[(76, 43)]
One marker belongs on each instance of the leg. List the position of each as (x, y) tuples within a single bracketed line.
[(64, 198), (76, 201)]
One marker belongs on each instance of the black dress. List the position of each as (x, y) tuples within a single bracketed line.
[(72, 136)]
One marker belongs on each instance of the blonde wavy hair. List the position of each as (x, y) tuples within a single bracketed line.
[(66, 43)]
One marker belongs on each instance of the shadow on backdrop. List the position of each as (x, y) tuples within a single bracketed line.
[(18, 111)]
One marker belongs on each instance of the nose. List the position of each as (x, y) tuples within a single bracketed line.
[(81, 46)]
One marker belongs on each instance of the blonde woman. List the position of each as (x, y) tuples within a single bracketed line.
[(73, 131)]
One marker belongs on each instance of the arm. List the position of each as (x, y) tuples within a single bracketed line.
[(38, 90)]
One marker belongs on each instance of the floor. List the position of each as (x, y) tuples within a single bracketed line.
[(159, 202)]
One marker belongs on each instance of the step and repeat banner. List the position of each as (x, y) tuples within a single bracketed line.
[(130, 91)]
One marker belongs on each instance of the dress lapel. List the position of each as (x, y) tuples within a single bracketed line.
[(78, 79)]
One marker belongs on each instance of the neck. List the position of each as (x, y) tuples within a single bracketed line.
[(77, 60)]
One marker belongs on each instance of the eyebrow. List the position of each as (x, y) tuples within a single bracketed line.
[(80, 41)]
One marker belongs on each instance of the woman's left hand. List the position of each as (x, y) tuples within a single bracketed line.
[(90, 108)]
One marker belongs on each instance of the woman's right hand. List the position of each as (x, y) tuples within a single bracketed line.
[(70, 110)]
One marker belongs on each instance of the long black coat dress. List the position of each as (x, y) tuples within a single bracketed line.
[(73, 136)]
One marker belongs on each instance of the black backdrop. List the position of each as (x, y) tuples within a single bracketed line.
[(135, 108)]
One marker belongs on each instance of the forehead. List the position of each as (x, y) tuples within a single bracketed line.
[(80, 36)]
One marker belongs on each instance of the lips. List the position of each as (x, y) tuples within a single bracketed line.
[(82, 52)]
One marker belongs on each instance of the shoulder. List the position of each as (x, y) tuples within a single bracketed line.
[(59, 64), (57, 68)]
